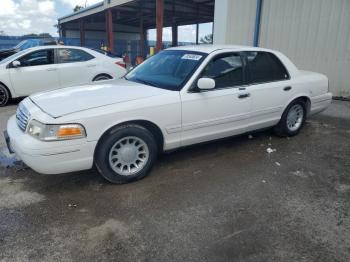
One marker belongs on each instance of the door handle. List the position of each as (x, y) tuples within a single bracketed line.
[(91, 65), (51, 69), (243, 95), (287, 88)]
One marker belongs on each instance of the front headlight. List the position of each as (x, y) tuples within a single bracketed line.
[(55, 132)]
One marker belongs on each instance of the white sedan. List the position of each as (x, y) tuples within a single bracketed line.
[(52, 67), (179, 97)]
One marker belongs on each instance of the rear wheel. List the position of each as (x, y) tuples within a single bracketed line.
[(126, 154), (4, 96), (293, 119)]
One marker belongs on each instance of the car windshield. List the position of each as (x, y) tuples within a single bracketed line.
[(12, 57), (168, 69)]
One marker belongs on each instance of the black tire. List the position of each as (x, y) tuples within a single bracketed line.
[(282, 129), (4, 96), (102, 78), (104, 147)]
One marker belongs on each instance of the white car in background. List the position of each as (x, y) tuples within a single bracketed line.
[(52, 67), (179, 97)]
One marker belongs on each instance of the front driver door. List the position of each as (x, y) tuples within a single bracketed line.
[(37, 73), (221, 112)]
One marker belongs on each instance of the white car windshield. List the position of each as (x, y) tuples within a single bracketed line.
[(168, 69), (12, 57)]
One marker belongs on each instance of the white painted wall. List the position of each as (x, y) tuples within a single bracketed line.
[(234, 21)]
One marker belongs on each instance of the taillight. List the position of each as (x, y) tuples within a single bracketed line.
[(121, 64)]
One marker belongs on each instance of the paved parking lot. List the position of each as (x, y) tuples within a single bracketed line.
[(224, 201)]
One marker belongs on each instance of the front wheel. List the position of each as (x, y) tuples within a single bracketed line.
[(126, 154), (293, 119), (4, 96)]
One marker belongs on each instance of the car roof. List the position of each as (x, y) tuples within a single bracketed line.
[(56, 47), (212, 48)]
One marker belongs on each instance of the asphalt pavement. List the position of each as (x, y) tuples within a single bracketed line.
[(231, 200)]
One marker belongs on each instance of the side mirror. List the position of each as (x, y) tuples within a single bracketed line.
[(16, 63), (206, 84)]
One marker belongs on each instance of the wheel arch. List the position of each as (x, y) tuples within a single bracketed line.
[(306, 99), (11, 93), (102, 74), (150, 126)]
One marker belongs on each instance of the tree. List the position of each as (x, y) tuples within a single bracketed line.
[(77, 8), (208, 39)]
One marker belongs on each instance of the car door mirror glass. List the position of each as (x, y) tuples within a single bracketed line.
[(16, 63), (206, 83)]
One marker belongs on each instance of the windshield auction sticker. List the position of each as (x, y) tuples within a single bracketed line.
[(192, 57)]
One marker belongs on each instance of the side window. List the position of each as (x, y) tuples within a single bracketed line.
[(265, 67), (66, 55), (226, 70), (38, 58)]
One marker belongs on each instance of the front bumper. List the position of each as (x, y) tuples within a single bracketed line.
[(49, 157), (8, 143)]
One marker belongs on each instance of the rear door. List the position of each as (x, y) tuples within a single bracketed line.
[(38, 72), (75, 66), (270, 88)]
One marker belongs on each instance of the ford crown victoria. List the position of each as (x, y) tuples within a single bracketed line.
[(179, 97)]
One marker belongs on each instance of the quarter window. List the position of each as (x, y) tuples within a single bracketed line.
[(226, 70), (38, 58), (66, 55), (265, 67)]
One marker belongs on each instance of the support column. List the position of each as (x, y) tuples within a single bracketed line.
[(109, 30), (142, 36), (197, 24), (222, 20), (259, 4), (174, 30), (82, 32), (62, 30), (160, 23)]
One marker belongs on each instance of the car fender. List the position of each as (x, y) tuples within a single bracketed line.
[(294, 97), (109, 69), (122, 121), (6, 81)]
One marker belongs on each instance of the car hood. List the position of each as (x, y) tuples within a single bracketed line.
[(70, 100)]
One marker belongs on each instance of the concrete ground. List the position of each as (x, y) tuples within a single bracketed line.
[(225, 201)]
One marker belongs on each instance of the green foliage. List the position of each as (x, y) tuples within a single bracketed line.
[(77, 8), (208, 39)]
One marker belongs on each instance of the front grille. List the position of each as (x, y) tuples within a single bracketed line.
[(22, 117)]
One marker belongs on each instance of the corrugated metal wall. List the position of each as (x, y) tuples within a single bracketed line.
[(315, 34)]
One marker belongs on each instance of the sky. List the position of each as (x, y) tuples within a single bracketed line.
[(19, 17)]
